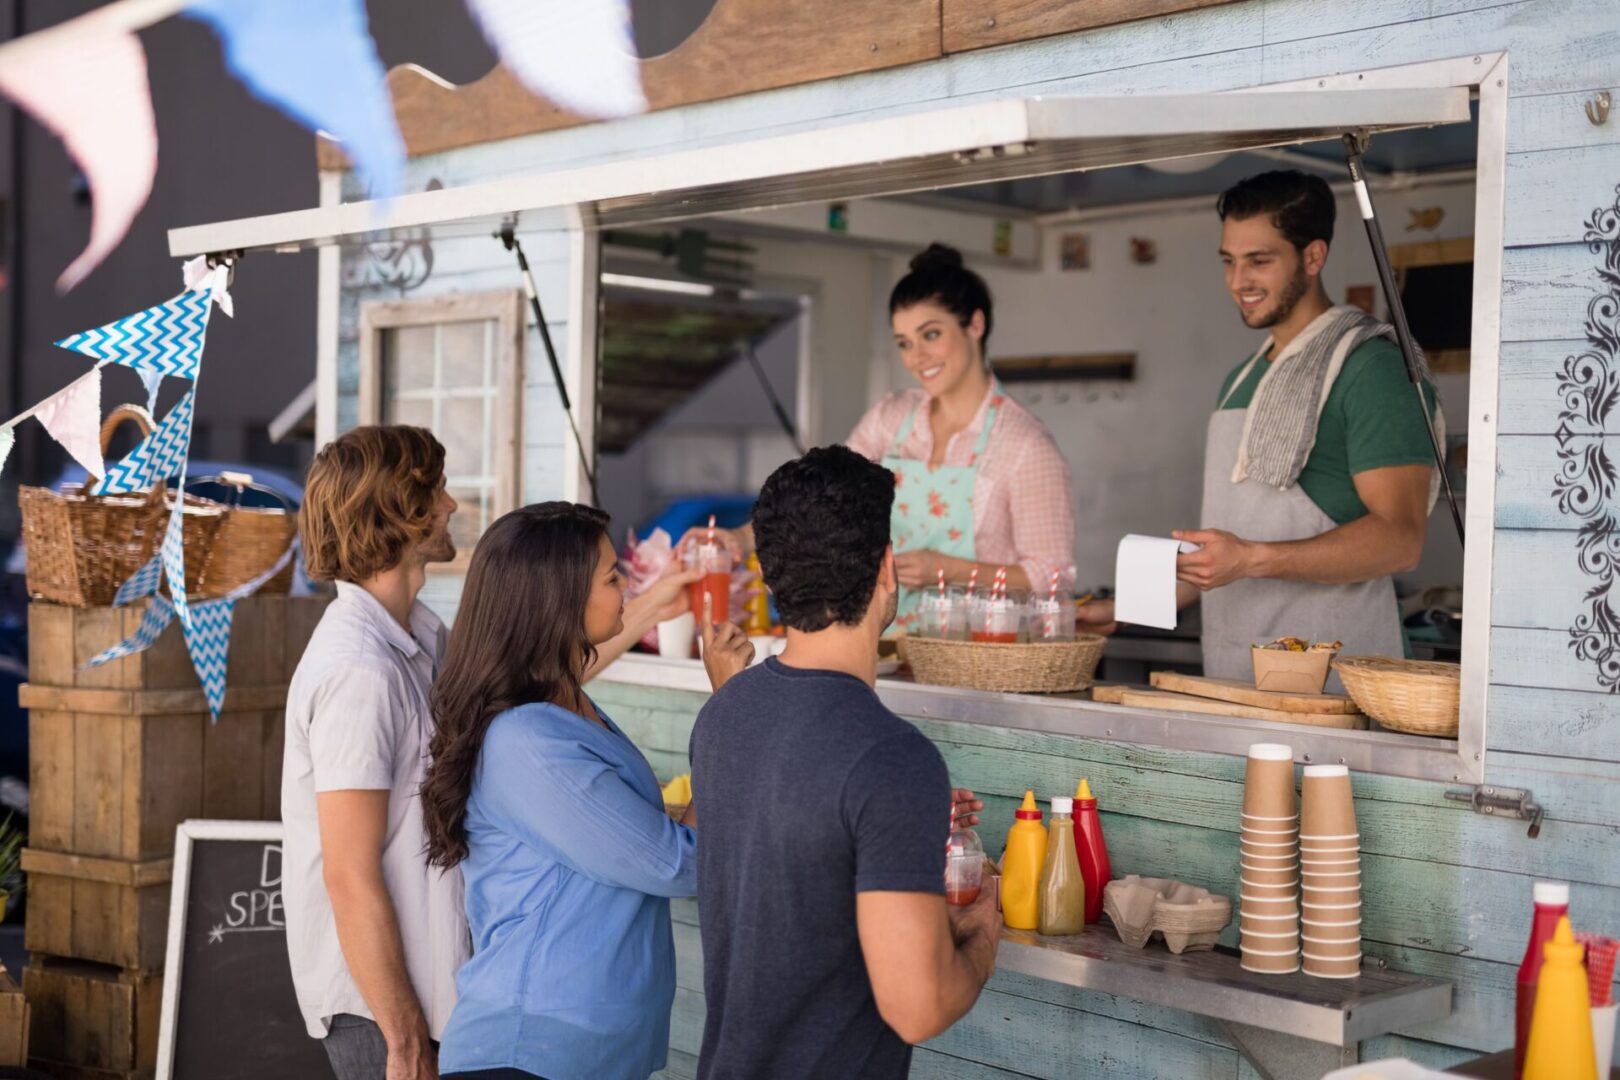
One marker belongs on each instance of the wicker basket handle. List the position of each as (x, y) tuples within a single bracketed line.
[(142, 419)]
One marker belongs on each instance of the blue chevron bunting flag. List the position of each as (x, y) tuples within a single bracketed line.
[(159, 613), (174, 555), (208, 640), (143, 582), (163, 340), (155, 458)]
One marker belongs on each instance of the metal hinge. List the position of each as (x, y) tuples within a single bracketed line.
[(1502, 802)]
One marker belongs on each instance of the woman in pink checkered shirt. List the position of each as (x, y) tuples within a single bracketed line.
[(979, 482)]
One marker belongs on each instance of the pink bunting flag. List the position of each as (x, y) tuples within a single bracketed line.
[(89, 88), (73, 417)]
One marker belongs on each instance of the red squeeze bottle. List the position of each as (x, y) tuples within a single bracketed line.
[(1552, 903), (1093, 852)]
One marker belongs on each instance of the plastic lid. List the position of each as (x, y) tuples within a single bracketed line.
[(1028, 811), (1083, 792), (1327, 770), (1551, 893), (1270, 751), (1062, 804)]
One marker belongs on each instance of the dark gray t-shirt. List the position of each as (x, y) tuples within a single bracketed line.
[(808, 792)]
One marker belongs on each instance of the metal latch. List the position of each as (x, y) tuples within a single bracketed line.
[(1502, 802)]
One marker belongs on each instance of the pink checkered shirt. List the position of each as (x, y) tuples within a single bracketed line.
[(1023, 507)]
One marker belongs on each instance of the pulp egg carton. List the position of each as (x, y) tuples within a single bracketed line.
[(1188, 917)]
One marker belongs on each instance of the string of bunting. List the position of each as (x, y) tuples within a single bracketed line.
[(208, 636), (85, 79)]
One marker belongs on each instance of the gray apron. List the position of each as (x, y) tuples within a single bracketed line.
[(1253, 611)]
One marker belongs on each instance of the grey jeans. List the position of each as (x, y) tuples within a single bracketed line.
[(356, 1048)]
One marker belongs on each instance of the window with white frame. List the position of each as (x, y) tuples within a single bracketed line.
[(452, 364)]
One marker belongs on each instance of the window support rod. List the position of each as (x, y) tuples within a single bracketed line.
[(508, 238), (1353, 146)]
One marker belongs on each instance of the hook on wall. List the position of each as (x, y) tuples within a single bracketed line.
[(1597, 109)]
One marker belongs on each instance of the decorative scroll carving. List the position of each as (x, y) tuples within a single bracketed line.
[(1589, 389)]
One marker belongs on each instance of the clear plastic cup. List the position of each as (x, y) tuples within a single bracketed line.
[(1001, 622), (964, 867), (715, 562), (1052, 619), (943, 616)]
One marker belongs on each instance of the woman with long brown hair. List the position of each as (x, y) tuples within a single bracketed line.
[(553, 815)]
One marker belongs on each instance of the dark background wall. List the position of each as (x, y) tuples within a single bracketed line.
[(222, 154)]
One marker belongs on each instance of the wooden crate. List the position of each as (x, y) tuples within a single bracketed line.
[(13, 1022), (106, 910), (115, 762), (92, 1015)]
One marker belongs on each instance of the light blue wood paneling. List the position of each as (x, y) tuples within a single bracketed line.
[(1528, 471), (1530, 377), (1546, 290), (1551, 194), (1579, 725)]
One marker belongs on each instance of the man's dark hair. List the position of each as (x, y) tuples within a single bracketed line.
[(1300, 206), (820, 527)]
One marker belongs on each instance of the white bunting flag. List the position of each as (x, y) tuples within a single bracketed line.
[(73, 417), (8, 437), (577, 53)]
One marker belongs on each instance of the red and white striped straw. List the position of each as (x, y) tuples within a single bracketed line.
[(711, 530), (973, 579), (999, 592), (942, 583), (1052, 595)]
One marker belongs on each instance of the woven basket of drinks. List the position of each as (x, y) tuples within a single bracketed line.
[(82, 547), (1418, 697), (1041, 667)]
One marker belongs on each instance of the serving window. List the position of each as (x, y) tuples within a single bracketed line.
[(1062, 203)]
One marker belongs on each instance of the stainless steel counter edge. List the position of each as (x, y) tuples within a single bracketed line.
[(1382, 752), (1345, 1024)]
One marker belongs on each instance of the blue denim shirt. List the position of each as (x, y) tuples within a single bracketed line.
[(570, 864)]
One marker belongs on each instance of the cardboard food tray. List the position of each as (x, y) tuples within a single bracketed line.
[(1287, 672)]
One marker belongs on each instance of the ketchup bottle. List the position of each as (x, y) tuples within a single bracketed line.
[(1092, 851), (1552, 903)]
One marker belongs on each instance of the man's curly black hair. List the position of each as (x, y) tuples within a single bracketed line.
[(820, 526)]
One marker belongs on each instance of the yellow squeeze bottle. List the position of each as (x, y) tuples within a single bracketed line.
[(1561, 1029), (1021, 867)]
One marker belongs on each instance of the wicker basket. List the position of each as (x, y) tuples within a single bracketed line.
[(82, 547), (1046, 667), (249, 541), (1419, 697)]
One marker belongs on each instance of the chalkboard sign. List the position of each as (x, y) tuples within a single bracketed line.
[(229, 1012)]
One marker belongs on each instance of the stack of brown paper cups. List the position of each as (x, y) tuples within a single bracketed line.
[(1330, 861), (1269, 880)]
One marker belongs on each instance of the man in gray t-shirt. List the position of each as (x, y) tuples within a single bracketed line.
[(828, 948)]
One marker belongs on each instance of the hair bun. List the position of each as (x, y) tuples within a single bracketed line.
[(937, 256)]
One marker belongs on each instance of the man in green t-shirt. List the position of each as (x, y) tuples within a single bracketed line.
[(1319, 473)]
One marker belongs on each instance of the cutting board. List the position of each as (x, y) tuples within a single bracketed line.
[(1243, 693), (1158, 699)]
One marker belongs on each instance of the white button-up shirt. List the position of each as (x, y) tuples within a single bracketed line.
[(358, 718)]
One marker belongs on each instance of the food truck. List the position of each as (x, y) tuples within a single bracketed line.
[(1073, 152)]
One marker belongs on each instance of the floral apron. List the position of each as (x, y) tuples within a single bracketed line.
[(933, 505)]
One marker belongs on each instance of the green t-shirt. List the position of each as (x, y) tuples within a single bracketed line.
[(1370, 421)]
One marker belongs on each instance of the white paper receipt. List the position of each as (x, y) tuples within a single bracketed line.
[(1145, 580)]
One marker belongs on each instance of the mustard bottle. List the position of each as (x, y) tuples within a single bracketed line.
[(758, 605), (1561, 1030), (1021, 867)]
